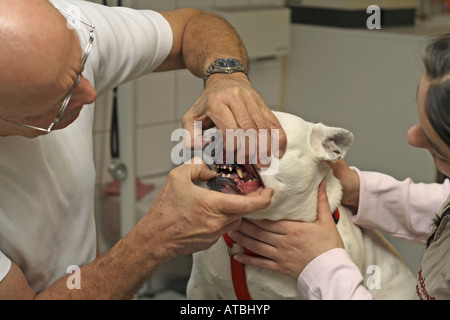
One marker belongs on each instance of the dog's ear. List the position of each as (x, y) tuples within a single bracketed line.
[(330, 143)]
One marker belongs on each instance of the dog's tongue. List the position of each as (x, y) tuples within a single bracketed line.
[(248, 187)]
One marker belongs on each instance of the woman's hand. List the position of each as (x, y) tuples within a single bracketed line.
[(288, 246), (350, 183)]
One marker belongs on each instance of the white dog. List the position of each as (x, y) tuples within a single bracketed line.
[(295, 183)]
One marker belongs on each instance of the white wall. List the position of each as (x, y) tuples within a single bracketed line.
[(366, 82)]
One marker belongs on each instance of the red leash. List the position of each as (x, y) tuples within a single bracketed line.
[(238, 269)]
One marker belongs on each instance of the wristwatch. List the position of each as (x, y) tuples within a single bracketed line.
[(224, 65)]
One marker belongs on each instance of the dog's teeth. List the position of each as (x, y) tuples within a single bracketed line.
[(239, 172), (230, 168), (228, 176)]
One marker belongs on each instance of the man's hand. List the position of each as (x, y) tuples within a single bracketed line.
[(187, 218), (230, 102)]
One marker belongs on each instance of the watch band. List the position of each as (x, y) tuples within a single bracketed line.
[(224, 65)]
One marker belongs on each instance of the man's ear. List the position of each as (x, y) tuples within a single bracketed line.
[(330, 143)]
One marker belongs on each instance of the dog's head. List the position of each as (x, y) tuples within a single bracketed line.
[(296, 176)]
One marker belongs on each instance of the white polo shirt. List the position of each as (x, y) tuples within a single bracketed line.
[(47, 184)]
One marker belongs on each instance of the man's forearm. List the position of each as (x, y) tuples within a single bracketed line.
[(117, 274), (199, 39), (209, 37)]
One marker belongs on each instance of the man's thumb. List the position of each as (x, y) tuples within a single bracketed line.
[(200, 171)]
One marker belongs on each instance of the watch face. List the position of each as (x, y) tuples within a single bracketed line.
[(227, 63), (224, 65)]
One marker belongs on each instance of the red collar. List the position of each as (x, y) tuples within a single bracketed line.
[(238, 272), (238, 269)]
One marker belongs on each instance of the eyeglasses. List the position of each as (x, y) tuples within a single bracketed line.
[(69, 94)]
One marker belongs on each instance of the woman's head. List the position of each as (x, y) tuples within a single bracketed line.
[(433, 99)]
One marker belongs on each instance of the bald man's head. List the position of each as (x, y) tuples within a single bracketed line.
[(39, 56)]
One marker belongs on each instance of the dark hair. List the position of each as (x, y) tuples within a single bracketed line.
[(437, 103)]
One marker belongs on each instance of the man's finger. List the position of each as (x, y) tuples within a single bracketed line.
[(273, 123)]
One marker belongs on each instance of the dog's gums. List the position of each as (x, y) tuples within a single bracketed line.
[(235, 179)]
